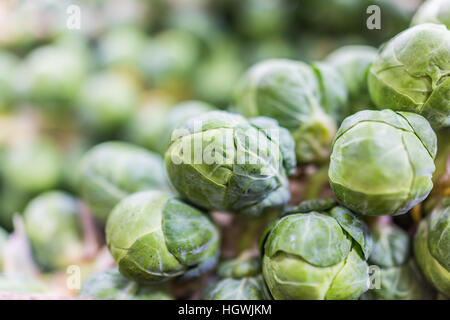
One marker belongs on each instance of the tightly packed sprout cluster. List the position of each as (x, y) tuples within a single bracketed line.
[(230, 150)]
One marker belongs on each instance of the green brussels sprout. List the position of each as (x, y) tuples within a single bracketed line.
[(239, 279), (411, 73), (53, 226), (3, 239), (334, 93), (171, 54), (296, 95), (154, 237), (322, 204), (382, 161), (53, 75), (353, 63), (202, 23), (262, 18), (112, 170), (433, 11), (8, 66), (21, 284), (275, 48), (107, 100), (399, 278), (215, 78), (432, 248), (12, 201), (73, 153), (221, 161), (165, 119), (148, 123), (179, 114), (121, 47), (32, 166), (316, 255), (111, 285)]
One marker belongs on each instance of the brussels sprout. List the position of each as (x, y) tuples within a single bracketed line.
[(111, 285), (112, 170), (334, 93), (32, 166), (3, 239), (121, 47), (221, 161), (432, 249), (107, 100), (21, 284), (434, 11), (240, 279), (411, 73), (262, 18), (353, 62), (165, 119), (53, 226), (296, 96), (8, 65), (196, 20), (215, 78), (12, 201), (153, 237), (275, 48), (382, 162), (73, 153), (148, 123), (316, 255), (170, 55), (322, 204), (53, 74), (399, 278), (181, 113)]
